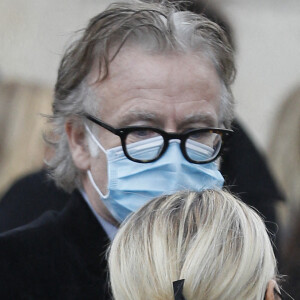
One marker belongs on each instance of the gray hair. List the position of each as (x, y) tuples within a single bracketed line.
[(214, 241), (157, 28)]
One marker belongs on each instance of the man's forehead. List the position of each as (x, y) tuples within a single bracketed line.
[(140, 61), (135, 69), (146, 86)]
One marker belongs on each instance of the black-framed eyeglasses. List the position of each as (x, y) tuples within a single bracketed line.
[(198, 146)]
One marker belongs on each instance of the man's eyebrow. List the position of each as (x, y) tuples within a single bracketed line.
[(134, 116), (205, 119)]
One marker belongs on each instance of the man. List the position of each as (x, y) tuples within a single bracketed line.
[(142, 107)]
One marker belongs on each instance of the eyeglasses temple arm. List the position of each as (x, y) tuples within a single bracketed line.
[(102, 124)]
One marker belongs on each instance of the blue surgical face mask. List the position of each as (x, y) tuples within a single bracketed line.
[(131, 184)]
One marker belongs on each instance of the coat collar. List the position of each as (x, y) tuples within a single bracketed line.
[(82, 230)]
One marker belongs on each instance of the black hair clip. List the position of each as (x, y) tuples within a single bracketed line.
[(178, 289)]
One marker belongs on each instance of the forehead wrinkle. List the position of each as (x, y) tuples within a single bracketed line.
[(139, 115), (206, 118)]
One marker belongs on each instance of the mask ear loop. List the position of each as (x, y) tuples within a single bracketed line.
[(89, 172), (94, 139), (95, 186)]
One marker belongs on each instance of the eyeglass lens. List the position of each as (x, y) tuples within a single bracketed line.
[(144, 149), (201, 146)]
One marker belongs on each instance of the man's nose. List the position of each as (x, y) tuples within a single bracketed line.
[(174, 149)]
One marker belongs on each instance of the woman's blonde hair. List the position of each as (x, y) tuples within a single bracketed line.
[(211, 239)]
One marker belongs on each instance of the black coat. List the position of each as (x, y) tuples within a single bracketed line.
[(61, 255), (28, 198)]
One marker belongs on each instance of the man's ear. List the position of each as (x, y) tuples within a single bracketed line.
[(270, 294), (78, 145)]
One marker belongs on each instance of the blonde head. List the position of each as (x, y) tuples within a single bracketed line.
[(211, 239)]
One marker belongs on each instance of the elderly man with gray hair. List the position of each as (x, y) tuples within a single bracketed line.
[(142, 108)]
